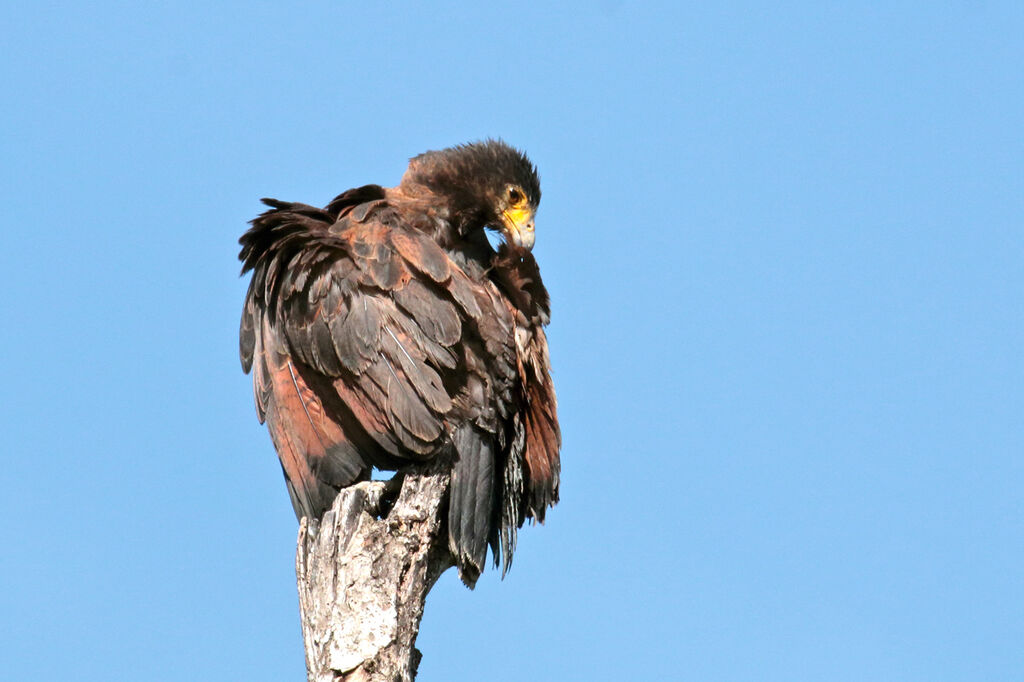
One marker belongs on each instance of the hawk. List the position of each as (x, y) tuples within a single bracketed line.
[(384, 329)]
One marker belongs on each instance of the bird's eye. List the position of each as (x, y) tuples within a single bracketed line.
[(515, 196)]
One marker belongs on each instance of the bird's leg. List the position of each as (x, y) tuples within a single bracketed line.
[(378, 498)]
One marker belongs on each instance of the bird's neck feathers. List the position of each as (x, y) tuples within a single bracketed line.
[(451, 191)]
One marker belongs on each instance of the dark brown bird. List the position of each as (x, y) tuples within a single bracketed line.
[(385, 329)]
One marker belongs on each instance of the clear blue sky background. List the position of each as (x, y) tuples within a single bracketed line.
[(785, 250)]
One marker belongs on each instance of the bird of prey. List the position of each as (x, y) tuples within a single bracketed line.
[(384, 329)]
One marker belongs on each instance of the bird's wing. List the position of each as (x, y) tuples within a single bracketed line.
[(519, 277), (356, 331), (543, 437)]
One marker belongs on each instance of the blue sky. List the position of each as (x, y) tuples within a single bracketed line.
[(784, 246)]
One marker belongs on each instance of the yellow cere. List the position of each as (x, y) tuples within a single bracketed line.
[(518, 216)]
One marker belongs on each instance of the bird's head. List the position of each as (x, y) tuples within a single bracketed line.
[(483, 184)]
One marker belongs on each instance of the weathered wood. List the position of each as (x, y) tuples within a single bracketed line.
[(363, 574)]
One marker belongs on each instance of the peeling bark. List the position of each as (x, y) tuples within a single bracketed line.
[(363, 575)]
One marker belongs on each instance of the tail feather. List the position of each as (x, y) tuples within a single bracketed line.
[(471, 511)]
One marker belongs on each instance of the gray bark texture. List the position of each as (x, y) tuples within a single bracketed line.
[(363, 575)]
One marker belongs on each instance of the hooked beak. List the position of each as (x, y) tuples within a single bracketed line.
[(518, 227)]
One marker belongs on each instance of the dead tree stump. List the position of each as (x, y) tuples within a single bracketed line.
[(364, 572)]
